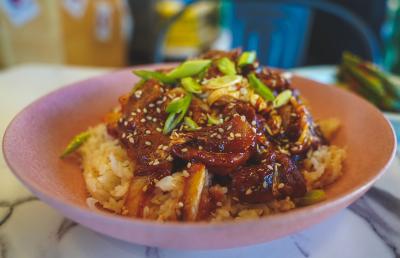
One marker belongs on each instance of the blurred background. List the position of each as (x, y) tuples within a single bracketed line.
[(117, 33)]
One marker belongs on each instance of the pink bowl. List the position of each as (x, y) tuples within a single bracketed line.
[(37, 135)]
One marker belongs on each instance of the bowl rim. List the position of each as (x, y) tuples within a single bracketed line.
[(344, 198)]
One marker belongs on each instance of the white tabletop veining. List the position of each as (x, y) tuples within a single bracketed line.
[(29, 228)]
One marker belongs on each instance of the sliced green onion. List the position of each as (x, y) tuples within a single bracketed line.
[(180, 107), (223, 81), (247, 57), (190, 85), (226, 66), (75, 143), (211, 120), (312, 197), (191, 124), (282, 98), (147, 75), (189, 68), (260, 88)]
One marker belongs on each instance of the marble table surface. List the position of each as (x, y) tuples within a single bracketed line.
[(29, 228)]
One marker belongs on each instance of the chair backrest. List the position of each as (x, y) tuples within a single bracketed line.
[(278, 32), (278, 29)]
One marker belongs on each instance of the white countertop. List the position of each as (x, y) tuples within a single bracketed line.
[(30, 228)]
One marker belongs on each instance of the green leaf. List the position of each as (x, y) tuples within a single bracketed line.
[(312, 197), (226, 66), (147, 75), (191, 124), (211, 120), (282, 98), (75, 143), (175, 106), (260, 88), (168, 123), (189, 68), (247, 57), (190, 85)]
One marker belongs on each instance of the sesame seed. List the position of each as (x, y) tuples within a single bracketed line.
[(142, 120), (270, 167), (138, 110), (231, 135), (243, 118), (229, 127), (154, 119), (151, 105), (131, 140), (180, 204), (189, 165), (263, 161), (254, 130), (219, 136), (235, 199), (156, 162), (120, 120), (253, 123), (130, 119), (160, 147), (138, 93), (133, 113), (221, 130), (158, 102), (126, 123), (165, 147), (265, 184), (281, 185), (158, 129), (248, 191), (149, 118), (145, 110), (147, 143), (123, 135), (213, 135), (144, 189), (219, 204), (238, 135), (170, 158), (200, 147), (147, 132), (158, 110), (185, 173), (184, 150)]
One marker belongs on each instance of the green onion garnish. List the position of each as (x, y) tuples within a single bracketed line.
[(282, 98), (226, 66), (247, 57), (75, 143), (211, 120), (260, 88), (312, 197), (177, 110), (190, 85), (191, 124), (147, 75), (189, 68)]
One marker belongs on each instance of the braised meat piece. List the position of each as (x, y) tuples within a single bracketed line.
[(221, 148), (275, 177)]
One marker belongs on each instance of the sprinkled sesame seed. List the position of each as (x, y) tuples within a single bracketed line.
[(180, 204), (189, 165), (156, 162), (231, 135), (149, 118), (229, 127), (248, 191), (253, 123), (147, 143), (281, 185), (154, 119), (158, 110), (213, 135), (133, 113), (270, 167), (185, 173), (235, 199), (219, 136), (120, 120), (219, 204), (144, 189), (151, 105), (131, 140), (238, 135), (254, 130), (165, 147), (264, 184), (145, 110), (263, 161), (123, 135), (158, 129), (200, 147), (126, 123), (243, 118), (142, 120), (138, 110), (138, 93), (221, 130), (147, 132), (170, 158), (184, 150)]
